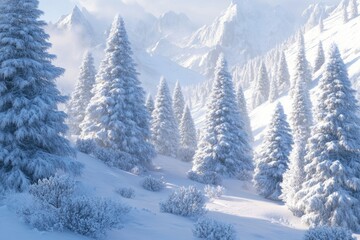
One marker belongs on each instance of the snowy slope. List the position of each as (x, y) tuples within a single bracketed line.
[(252, 216)]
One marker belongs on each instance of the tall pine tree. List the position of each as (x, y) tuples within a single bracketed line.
[(262, 87), (273, 159), (301, 121), (320, 58), (354, 12), (224, 148), (82, 94), (274, 91), (116, 117), (244, 113), (188, 138), (330, 193), (302, 67), (283, 75), (150, 106), (164, 128), (178, 102), (31, 126)]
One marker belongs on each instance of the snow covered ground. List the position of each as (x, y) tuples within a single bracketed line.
[(252, 216)]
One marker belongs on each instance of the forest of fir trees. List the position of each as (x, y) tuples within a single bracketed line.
[(311, 163)]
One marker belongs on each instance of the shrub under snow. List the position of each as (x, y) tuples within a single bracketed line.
[(214, 191), (210, 229), (52, 204), (153, 184), (187, 202), (126, 192), (328, 233), (207, 178)]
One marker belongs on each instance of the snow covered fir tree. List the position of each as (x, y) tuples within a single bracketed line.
[(224, 148), (150, 105), (330, 193), (283, 75), (273, 158), (188, 139), (261, 88), (117, 118), (164, 127), (244, 113), (32, 128), (82, 95), (301, 122), (178, 102), (320, 58)]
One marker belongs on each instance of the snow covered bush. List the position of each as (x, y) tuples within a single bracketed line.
[(206, 178), (210, 229), (214, 191), (92, 216), (328, 233), (187, 202), (153, 184), (126, 192), (86, 146), (54, 204)]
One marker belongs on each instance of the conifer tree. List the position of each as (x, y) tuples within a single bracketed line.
[(150, 106), (283, 75), (116, 118), (31, 126), (224, 147), (178, 102), (188, 138), (262, 87), (330, 193), (302, 68), (301, 121), (244, 113), (82, 94), (274, 91), (164, 128), (320, 58), (273, 159), (353, 9)]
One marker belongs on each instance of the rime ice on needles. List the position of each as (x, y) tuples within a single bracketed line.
[(283, 75), (273, 158), (82, 94), (31, 126), (244, 112), (320, 57), (164, 128), (178, 102), (261, 88), (116, 117), (224, 148), (330, 193)]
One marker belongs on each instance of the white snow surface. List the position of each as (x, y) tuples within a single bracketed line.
[(252, 216)]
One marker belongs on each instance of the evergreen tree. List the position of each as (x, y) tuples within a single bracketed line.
[(150, 104), (82, 94), (188, 131), (116, 118), (224, 147), (262, 88), (283, 75), (244, 113), (274, 91), (353, 9), (273, 159), (178, 102), (302, 68), (330, 193), (320, 58), (301, 121), (31, 126), (165, 132)]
